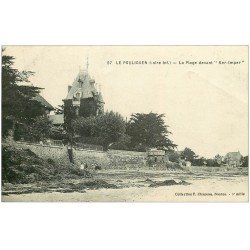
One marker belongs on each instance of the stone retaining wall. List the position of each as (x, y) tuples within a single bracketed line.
[(109, 159)]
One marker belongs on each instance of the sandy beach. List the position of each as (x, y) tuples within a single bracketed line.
[(134, 186)]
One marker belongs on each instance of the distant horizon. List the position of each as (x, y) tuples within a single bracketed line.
[(206, 106)]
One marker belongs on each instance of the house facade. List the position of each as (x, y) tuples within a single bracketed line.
[(83, 98), (233, 159), (155, 156)]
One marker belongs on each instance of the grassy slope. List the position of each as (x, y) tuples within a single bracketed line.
[(24, 166)]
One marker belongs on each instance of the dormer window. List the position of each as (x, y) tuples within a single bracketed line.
[(78, 95)]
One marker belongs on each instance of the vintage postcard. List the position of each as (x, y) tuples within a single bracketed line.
[(125, 123)]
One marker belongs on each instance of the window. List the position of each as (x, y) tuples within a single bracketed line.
[(78, 95)]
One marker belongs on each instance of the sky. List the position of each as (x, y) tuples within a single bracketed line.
[(205, 105)]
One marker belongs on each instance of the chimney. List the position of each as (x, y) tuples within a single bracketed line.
[(69, 88)]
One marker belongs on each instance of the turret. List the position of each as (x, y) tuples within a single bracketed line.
[(83, 97)]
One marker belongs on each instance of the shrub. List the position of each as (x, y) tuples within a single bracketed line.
[(24, 166), (173, 165)]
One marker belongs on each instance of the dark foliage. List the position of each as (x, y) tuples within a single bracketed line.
[(148, 130), (69, 117), (173, 156), (18, 105), (188, 155), (24, 166), (106, 128), (212, 163), (88, 107), (123, 143), (41, 128), (57, 133), (201, 161), (244, 161)]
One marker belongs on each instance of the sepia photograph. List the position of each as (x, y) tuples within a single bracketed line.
[(125, 124)]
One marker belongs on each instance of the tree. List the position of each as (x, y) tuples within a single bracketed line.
[(85, 127), (40, 129), (149, 130), (201, 161), (212, 163), (107, 128), (173, 156), (18, 105), (69, 117), (218, 159), (188, 155), (122, 144), (244, 161)]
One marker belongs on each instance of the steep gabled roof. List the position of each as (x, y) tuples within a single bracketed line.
[(233, 155), (40, 99), (84, 84)]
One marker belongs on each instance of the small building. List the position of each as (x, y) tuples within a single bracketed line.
[(155, 156), (47, 106), (233, 159)]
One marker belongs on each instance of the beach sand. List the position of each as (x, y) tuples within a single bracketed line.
[(134, 186)]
